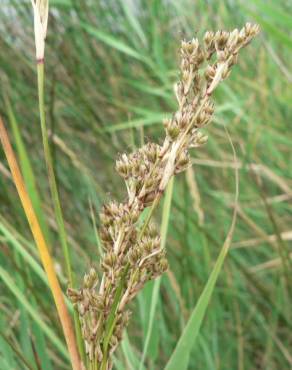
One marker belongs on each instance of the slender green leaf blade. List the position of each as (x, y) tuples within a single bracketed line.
[(181, 354), (9, 282), (113, 42), (156, 286)]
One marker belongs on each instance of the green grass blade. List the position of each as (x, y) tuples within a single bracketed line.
[(180, 357), (17, 353), (131, 358), (65, 3), (133, 21), (181, 354), (23, 258), (152, 118), (273, 11), (41, 346), (279, 35), (145, 121), (113, 42), (9, 282), (7, 359), (156, 287), (26, 168), (31, 262), (24, 324)]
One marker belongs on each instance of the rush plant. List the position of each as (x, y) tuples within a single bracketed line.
[(133, 253), (132, 249)]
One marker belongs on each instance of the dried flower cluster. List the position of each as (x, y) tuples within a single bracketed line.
[(132, 253), (41, 13)]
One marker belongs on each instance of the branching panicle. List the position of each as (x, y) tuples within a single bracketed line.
[(132, 254)]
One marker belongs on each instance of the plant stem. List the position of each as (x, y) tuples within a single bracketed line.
[(156, 287), (149, 215), (42, 248), (110, 325), (118, 295), (51, 174), (56, 198)]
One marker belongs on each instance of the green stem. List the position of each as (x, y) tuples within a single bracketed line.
[(51, 174), (118, 294), (112, 319), (156, 287), (56, 198), (149, 215)]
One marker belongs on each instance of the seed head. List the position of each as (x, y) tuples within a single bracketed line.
[(41, 13), (133, 253)]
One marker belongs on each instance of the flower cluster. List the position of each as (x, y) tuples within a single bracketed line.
[(141, 171), (132, 252), (202, 69), (128, 257)]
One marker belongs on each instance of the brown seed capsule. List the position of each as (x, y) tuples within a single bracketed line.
[(201, 119), (183, 160), (173, 131), (166, 122), (233, 40), (209, 38), (221, 39), (74, 295), (200, 57), (209, 107), (109, 260), (135, 255), (210, 72), (105, 235), (163, 265), (201, 138)]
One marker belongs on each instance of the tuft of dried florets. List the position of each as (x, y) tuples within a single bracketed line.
[(41, 14), (132, 253)]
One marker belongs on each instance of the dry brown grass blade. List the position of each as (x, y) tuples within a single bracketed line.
[(261, 169), (268, 265), (43, 249), (285, 235)]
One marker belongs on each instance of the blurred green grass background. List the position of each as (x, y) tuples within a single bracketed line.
[(110, 70)]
